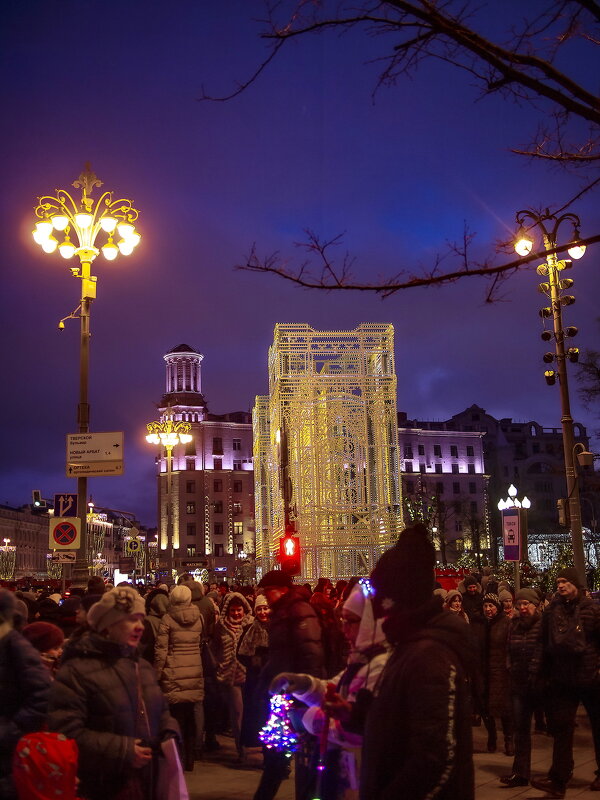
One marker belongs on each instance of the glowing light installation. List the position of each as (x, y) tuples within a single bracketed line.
[(325, 448), (277, 733), (8, 558)]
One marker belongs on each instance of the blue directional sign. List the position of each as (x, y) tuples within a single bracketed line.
[(65, 505)]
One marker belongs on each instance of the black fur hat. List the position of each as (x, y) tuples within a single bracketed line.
[(403, 577)]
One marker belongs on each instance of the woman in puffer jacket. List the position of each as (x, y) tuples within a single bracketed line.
[(231, 674), (368, 656), (178, 664)]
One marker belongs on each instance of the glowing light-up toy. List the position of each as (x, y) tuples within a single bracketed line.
[(278, 733)]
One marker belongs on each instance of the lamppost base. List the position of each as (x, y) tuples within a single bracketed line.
[(80, 574)]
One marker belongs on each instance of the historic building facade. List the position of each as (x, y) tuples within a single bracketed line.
[(325, 447)]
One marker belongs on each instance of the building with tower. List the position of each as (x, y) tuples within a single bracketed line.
[(212, 487), (326, 454)]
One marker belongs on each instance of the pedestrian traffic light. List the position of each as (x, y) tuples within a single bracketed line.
[(289, 554), (37, 499), (563, 511)]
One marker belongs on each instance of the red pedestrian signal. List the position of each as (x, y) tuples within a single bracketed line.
[(289, 554)]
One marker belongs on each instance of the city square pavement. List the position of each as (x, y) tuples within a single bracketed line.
[(219, 777)]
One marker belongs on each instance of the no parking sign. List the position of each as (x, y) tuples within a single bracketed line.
[(65, 533)]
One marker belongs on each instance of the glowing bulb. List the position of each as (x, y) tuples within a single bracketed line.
[(185, 438), (577, 251), (44, 227), (512, 490), (66, 248), (501, 505), (108, 224), (38, 237), (83, 219), (134, 239), (526, 503), (59, 222), (50, 244), (153, 438), (125, 229), (110, 251), (125, 247), (523, 245)]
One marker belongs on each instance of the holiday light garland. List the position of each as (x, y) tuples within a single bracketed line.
[(278, 733)]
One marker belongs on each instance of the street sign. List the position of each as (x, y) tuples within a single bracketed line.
[(127, 564), (511, 534), (66, 557), (65, 533), (94, 454), (65, 505), (134, 545)]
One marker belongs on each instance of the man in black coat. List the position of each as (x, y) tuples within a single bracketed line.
[(295, 645), (24, 687), (418, 739)]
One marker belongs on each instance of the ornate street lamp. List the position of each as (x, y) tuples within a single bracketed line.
[(168, 433), (555, 289), (522, 506), (80, 228)]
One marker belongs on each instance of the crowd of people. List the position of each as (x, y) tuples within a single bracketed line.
[(388, 676)]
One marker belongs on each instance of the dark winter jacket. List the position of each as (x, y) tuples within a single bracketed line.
[(492, 638), (473, 605), (95, 700), (524, 653), (24, 687), (571, 640), (418, 739)]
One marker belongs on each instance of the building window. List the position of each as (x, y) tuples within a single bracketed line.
[(191, 529), (458, 526), (218, 528), (190, 508), (237, 465), (191, 549), (218, 549), (408, 467), (471, 469), (190, 463), (190, 487), (217, 446), (217, 463), (438, 469), (237, 487), (218, 507), (455, 469), (421, 449), (439, 488), (237, 508), (456, 487), (238, 528), (237, 444), (408, 453), (453, 451), (470, 451), (473, 507), (437, 450), (422, 468), (472, 487), (217, 486)]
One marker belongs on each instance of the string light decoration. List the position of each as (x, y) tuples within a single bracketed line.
[(278, 733)]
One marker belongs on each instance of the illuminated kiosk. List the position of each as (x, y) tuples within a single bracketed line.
[(326, 449)]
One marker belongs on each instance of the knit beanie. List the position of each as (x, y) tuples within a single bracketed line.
[(56, 597), (528, 594), (114, 606), (7, 605), (96, 585), (452, 595), (275, 578), (492, 598), (504, 594), (569, 574), (470, 581), (261, 600), (43, 635), (180, 595), (403, 577)]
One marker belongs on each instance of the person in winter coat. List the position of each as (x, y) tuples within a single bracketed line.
[(453, 603), (48, 640), (252, 653), (571, 655), (179, 667), (472, 598), (231, 673), (367, 659), (109, 701), (24, 686), (507, 603), (157, 603), (418, 738), (524, 661), (494, 687)]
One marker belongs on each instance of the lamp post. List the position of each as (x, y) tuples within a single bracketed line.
[(82, 224), (555, 289), (522, 506), (167, 433)]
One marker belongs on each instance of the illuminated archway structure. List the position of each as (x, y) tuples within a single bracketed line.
[(326, 448)]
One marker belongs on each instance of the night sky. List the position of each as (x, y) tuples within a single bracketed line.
[(307, 146)]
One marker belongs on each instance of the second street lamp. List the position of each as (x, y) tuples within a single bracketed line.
[(168, 433), (555, 289), (81, 226)]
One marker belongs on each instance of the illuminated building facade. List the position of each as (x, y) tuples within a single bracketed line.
[(325, 448), (212, 479)]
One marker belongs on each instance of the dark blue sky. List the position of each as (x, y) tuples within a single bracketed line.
[(306, 146)]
